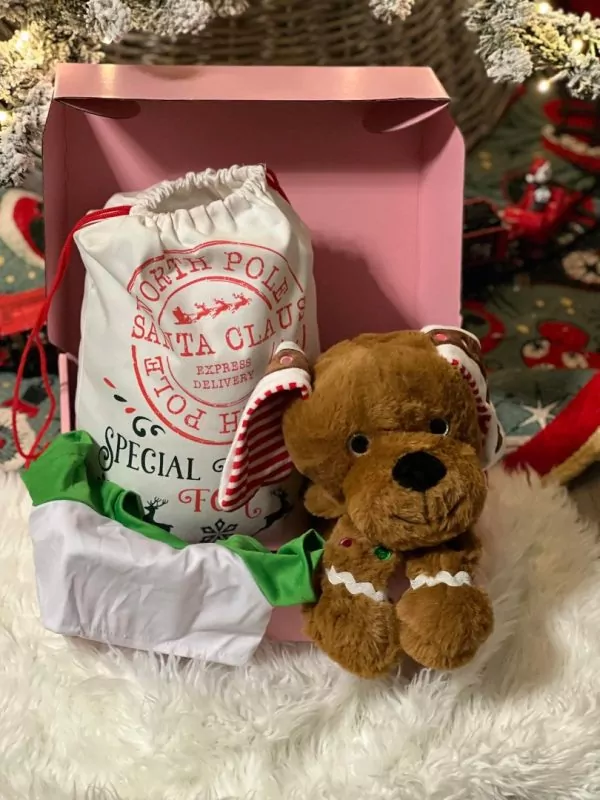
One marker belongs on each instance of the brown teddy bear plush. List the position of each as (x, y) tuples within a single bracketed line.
[(393, 433)]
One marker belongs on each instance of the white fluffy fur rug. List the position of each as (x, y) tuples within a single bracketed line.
[(78, 721)]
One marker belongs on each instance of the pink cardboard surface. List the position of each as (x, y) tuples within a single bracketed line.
[(369, 157), (385, 208)]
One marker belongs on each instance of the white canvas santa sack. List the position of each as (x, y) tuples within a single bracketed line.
[(188, 293)]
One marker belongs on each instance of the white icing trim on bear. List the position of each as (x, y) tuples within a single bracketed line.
[(288, 346), (352, 585), (459, 579)]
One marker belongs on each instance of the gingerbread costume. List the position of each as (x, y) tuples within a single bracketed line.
[(393, 433)]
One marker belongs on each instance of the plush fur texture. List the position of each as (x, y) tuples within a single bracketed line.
[(78, 722), (389, 388), (424, 630), (390, 440), (354, 629)]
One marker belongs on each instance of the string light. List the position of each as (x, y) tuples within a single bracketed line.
[(577, 48), (544, 86), (21, 40), (4, 116), (577, 45)]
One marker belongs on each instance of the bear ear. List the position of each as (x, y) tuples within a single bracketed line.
[(463, 351), (321, 504), (258, 456)]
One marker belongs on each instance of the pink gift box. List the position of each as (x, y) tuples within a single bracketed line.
[(369, 156)]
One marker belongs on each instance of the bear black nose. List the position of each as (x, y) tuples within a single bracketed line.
[(419, 471)]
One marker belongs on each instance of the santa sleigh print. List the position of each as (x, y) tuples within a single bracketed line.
[(219, 306)]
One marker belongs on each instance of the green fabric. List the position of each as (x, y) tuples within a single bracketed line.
[(286, 576), (68, 471)]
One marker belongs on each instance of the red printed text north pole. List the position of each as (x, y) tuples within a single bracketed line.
[(206, 323)]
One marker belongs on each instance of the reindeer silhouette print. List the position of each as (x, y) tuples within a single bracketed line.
[(284, 509), (152, 508), (203, 311), (240, 301)]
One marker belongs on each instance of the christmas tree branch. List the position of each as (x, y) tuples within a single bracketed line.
[(518, 38), (47, 32)]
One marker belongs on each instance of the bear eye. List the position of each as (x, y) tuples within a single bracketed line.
[(358, 444), (439, 426)]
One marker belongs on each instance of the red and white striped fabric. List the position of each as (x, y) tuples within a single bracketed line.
[(258, 456), (463, 350)]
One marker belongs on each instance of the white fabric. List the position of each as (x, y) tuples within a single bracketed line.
[(86, 723), (185, 301), (101, 581), (348, 580), (459, 579)]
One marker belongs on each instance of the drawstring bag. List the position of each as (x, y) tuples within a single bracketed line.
[(191, 286)]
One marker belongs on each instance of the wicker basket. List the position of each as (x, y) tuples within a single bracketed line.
[(341, 32)]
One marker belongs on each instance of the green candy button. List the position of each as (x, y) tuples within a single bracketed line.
[(382, 552)]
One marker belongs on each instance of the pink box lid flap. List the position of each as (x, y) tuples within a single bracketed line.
[(109, 82)]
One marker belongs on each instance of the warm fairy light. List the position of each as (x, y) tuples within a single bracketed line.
[(107, 40), (544, 86), (544, 8), (4, 116), (21, 40), (577, 45)]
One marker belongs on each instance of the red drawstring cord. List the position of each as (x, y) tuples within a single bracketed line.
[(34, 336), (273, 182)]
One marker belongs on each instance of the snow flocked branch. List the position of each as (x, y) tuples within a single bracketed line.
[(51, 31), (518, 38)]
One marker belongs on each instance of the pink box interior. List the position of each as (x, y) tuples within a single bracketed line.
[(369, 156)]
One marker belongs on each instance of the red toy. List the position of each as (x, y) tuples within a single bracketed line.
[(546, 216), (546, 209)]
